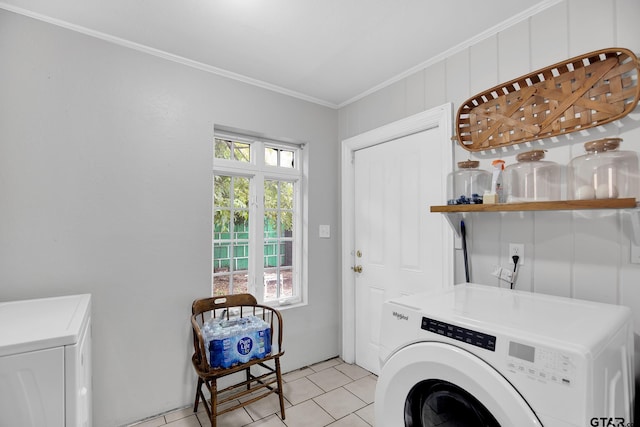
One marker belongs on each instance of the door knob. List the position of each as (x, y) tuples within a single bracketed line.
[(357, 268)]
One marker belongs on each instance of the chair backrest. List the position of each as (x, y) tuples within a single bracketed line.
[(227, 305), (204, 305)]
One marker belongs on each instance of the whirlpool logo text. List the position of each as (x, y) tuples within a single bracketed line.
[(609, 422)]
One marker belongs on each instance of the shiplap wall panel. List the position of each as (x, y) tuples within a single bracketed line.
[(484, 251), (550, 268), (457, 82), (513, 60), (483, 65), (566, 254), (596, 255), (415, 92), (627, 28), (549, 37), (435, 85), (591, 25)]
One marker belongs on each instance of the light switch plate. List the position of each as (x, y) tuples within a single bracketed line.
[(324, 231)]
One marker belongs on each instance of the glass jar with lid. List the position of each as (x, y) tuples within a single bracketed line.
[(532, 178), (604, 172), (467, 184)]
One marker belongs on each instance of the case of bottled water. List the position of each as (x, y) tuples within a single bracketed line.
[(236, 340)]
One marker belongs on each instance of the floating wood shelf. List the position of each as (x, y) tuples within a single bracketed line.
[(559, 205), (456, 213)]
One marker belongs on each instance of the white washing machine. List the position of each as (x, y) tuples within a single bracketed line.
[(476, 355)]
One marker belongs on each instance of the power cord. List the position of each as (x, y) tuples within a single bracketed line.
[(515, 259)]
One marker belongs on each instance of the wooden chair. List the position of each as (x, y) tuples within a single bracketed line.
[(266, 379)]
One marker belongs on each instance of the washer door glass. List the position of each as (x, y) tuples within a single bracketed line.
[(440, 403)]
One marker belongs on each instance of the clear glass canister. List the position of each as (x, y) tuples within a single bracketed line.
[(468, 184), (532, 178), (603, 172)]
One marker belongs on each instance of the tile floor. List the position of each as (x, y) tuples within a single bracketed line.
[(330, 393)]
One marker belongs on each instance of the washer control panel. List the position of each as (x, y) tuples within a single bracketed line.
[(540, 363), (469, 336)]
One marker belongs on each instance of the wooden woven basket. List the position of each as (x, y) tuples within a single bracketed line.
[(579, 93)]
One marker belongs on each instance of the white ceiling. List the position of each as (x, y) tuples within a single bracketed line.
[(326, 51)]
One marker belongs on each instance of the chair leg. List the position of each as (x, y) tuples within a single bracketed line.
[(195, 405), (280, 392), (214, 402)]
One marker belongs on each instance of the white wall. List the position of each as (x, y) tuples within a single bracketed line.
[(578, 254), (105, 188)]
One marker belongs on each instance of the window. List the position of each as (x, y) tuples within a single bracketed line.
[(258, 231)]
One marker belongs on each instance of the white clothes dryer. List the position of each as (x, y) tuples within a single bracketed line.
[(474, 355)]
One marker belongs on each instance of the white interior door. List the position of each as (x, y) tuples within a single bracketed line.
[(399, 244)]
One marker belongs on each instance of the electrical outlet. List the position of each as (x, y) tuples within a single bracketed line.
[(516, 249)]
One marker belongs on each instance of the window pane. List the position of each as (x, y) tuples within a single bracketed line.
[(241, 230), (240, 192), (232, 150), (242, 151), (286, 195), (221, 224), (221, 257), (286, 159), (286, 283), (270, 194), (221, 285), (221, 190), (286, 254), (240, 283), (271, 156), (270, 226), (286, 224), (278, 283), (270, 284), (222, 149), (270, 254)]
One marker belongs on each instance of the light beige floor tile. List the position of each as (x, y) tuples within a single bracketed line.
[(364, 388), (350, 421), (339, 402), (294, 375), (367, 413), (153, 422), (178, 414), (329, 379), (307, 414), (326, 364), (190, 421), (300, 390), (354, 372), (272, 421), (330, 384), (236, 418), (266, 406)]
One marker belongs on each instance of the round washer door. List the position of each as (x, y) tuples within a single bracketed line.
[(441, 382)]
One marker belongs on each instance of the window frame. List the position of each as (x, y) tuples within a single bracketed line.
[(258, 171)]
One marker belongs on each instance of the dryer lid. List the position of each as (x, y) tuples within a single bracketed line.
[(42, 323)]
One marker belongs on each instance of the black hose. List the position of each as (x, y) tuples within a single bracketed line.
[(463, 234)]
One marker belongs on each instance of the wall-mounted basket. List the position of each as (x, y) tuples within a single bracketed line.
[(577, 94)]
